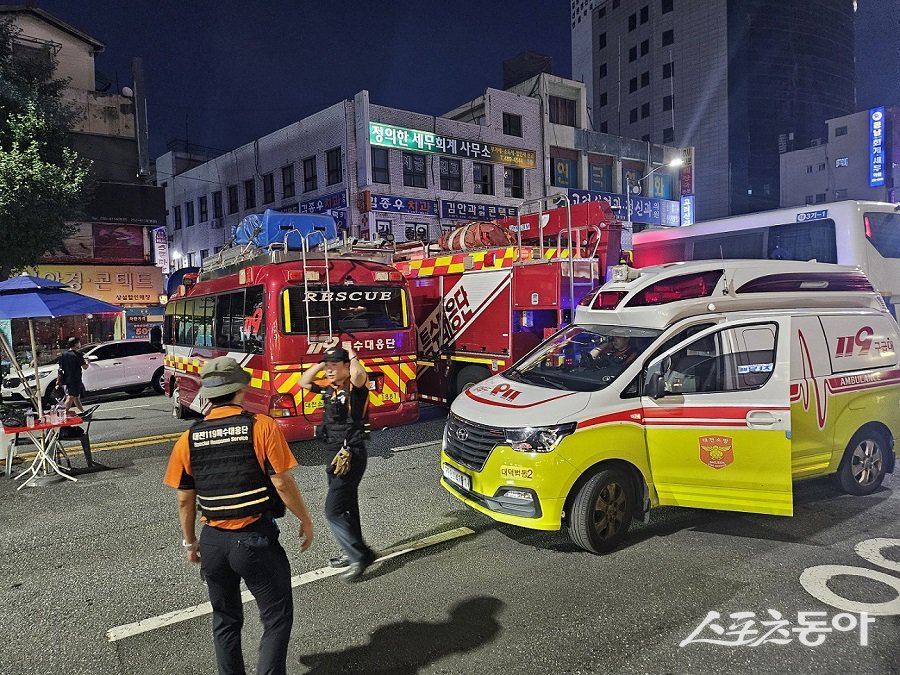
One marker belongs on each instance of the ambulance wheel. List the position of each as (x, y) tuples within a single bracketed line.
[(179, 412), (602, 511), (864, 464), (159, 378), (468, 377)]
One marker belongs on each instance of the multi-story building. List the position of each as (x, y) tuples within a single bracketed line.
[(859, 159), (109, 256), (384, 172), (739, 80)]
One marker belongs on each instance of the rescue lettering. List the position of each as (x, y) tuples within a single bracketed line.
[(457, 309), (505, 391), (859, 379), (846, 346), (341, 296)]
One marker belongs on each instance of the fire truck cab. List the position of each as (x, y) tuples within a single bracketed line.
[(710, 384)]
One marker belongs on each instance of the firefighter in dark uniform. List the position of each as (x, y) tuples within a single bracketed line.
[(237, 466), (345, 398)]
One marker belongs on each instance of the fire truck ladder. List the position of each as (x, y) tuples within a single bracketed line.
[(304, 250), (542, 203)]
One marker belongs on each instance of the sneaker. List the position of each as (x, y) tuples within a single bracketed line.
[(355, 572), (340, 561)]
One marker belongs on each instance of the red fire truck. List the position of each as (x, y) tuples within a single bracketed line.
[(478, 311), (275, 309)]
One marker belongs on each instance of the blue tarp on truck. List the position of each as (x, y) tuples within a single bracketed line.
[(271, 226)]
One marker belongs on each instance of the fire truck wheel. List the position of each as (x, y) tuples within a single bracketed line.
[(602, 511), (469, 376), (865, 462)]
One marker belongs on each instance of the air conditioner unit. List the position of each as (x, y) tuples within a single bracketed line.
[(217, 223)]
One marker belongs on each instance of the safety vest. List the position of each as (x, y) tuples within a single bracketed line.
[(338, 421), (229, 481)]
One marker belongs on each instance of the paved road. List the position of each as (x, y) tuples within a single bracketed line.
[(82, 558)]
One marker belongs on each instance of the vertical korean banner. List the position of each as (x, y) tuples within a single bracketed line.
[(161, 248), (876, 147), (687, 171)]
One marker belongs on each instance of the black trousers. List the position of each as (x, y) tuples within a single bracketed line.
[(342, 509), (254, 555)]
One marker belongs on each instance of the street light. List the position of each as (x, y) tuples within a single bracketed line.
[(672, 164)]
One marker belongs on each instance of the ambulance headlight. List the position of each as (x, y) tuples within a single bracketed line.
[(537, 439)]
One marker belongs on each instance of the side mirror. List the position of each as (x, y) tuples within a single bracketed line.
[(91, 357), (655, 387)]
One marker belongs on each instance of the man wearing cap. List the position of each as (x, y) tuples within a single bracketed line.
[(237, 466), (345, 398)]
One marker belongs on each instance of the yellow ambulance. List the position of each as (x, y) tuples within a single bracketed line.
[(710, 384)]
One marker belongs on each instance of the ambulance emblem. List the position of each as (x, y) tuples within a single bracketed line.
[(716, 451)]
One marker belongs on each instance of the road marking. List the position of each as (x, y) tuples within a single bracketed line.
[(416, 445), (815, 581), (205, 608), (126, 407), (107, 446)]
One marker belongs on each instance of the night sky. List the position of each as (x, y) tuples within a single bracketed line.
[(222, 73)]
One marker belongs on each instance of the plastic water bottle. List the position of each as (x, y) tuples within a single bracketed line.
[(29, 418), (59, 414)]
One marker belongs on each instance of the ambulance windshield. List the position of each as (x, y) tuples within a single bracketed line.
[(583, 358)]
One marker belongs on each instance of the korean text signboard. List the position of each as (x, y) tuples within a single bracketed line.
[(397, 204), (643, 209), (161, 247), (455, 210), (876, 147), (388, 136), (686, 173), (337, 200), (118, 284)]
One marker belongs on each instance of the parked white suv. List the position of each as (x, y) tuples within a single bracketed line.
[(123, 365)]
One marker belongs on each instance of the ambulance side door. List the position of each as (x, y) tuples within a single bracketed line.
[(717, 419)]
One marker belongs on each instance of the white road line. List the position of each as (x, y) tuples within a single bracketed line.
[(416, 445), (125, 407), (205, 608)]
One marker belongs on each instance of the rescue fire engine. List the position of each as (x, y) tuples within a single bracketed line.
[(282, 294), (479, 310)]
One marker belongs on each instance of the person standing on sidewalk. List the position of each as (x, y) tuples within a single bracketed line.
[(346, 399), (71, 364), (237, 466)]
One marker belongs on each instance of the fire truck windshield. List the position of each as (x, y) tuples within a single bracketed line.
[(353, 309), (583, 358)]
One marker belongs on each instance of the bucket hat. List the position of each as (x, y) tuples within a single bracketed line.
[(222, 376)]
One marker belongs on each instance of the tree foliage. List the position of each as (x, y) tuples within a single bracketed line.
[(43, 182)]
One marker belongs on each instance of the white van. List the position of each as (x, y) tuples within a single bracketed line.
[(710, 384)]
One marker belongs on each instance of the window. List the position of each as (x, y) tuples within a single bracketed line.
[(821, 166), (668, 70), (217, 204), (204, 253), (667, 102), (632, 116), (667, 6), (603, 99), (840, 194), (746, 245), (32, 56), (232, 199), (451, 174), (646, 138), (250, 194), (310, 178), (733, 359), (287, 181), (239, 320), (842, 161), (668, 37), (604, 127), (632, 22), (632, 54), (381, 172), (562, 111), (883, 230), (176, 215), (668, 135), (204, 210), (601, 13), (632, 85), (333, 166), (512, 124), (601, 41), (645, 47), (483, 178), (645, 111), (645, 79), (512, 182), (809, 168), (414, 170), (809, 199), (840, 131), (355, 309), (602, 70), (189, 213), (645, 14), (821, 197), (268, 181)]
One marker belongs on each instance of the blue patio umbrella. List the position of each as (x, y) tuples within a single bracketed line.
[(28, 297)]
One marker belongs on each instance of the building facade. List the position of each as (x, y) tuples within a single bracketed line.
[(739, 80), (859, 159), (389, 173), (109, 256)]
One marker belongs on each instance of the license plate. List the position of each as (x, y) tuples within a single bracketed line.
[(457, 477), (517, 472)]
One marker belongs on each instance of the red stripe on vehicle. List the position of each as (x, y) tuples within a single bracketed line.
[(512, 405)]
